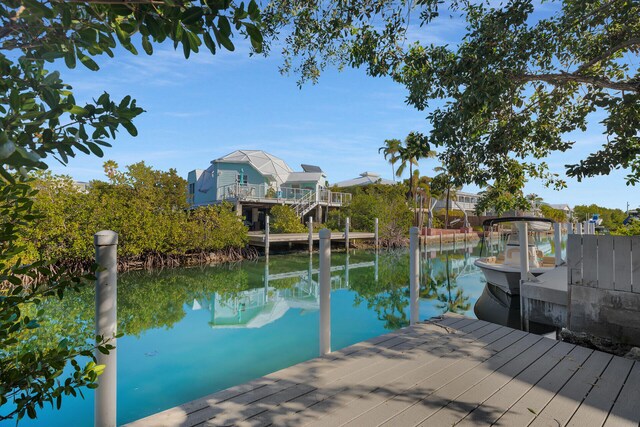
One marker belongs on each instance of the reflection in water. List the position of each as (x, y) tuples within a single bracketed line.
[(209, 328)]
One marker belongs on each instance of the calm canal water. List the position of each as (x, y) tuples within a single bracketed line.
[(191, 332)]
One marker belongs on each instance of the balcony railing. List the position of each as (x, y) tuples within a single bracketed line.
[(264, 191)]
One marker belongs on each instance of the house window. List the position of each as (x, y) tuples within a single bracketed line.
[(242, 178), (192, 188)]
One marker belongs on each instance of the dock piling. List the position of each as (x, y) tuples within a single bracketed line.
[(346, 233), (106, 246), (375, 232), (557, 242), (325, 291), (414, 279), (266, 237), (523, 236), (310, 234)]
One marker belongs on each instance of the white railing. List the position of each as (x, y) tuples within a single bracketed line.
[(334, 198), (237, 191), (305, 204), (294, 193)]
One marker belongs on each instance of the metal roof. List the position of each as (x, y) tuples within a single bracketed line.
[(265, 163), (304, 177), (365, 178)]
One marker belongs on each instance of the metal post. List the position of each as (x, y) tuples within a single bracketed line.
[(310, 234), (346, 234), (523, 235), (557, 242), (375, 232), (266, 236), (414, 276), (106, 245), (325, 291)]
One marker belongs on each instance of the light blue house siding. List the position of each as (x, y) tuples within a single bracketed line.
[(229, 173), (223, 177)]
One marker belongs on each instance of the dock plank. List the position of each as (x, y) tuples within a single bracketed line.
[(566, 402), (447, 371), (536, 399), (500, 402), (624, 412), (595, 408)]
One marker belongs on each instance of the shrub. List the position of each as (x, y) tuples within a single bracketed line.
[(284, 220)]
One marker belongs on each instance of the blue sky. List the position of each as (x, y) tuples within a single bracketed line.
[(207, 106)]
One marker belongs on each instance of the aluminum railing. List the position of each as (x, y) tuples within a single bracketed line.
[(334, 198)]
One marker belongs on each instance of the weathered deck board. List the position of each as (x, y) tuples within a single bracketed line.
[(451, 371)]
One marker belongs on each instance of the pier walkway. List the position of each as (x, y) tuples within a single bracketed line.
[(452, 371)]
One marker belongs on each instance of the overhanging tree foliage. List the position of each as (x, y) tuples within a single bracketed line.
[(505, 95), (40, 119)]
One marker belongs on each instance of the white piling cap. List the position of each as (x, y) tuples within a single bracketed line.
[(325, 233), (105, 238), (414, 230)]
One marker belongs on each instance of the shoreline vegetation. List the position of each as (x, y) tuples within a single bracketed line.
[(146, 207), (149, 211)]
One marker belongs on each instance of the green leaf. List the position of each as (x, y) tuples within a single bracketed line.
[(191, 15), (70, 59), (95, 149), (146, 45), (130, 128), (88, 62), (208, 41), (223, 40)]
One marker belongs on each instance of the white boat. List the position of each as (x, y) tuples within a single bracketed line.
[(503, 270)]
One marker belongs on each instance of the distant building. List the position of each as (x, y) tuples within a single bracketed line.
[(460, 201), (82, 186), (365, 178), (255, 181), (561, 206)]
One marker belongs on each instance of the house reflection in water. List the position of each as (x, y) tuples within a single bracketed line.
[(257, 307)]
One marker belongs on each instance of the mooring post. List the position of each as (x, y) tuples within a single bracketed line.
[(310, 234), (375, 232), (325, 291), (557, 242), (578, 228), (414, 276), (106, 246), (346, 234), (569, 228), (266, 237), (523, 236), (586, 228)]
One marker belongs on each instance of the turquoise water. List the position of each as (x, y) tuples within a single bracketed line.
[(191, 332)]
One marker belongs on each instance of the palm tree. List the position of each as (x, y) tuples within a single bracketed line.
[(415, 147), (390, 151), (444, 184)]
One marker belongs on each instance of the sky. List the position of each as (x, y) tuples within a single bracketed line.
[(205, 107)]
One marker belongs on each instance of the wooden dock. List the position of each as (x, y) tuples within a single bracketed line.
[(453, 371), (257, 239)]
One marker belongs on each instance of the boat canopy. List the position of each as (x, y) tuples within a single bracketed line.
[(540, 223)]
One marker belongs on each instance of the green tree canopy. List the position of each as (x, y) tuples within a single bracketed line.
[(508, 93), (40, 118)]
